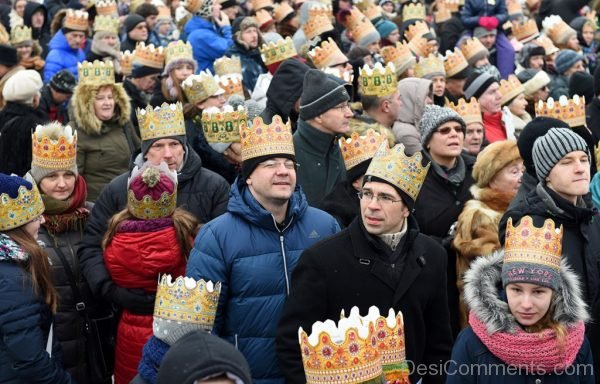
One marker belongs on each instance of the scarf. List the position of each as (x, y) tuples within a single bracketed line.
[(494, 127), (10, 250), (536, 353), (66, 215), (455, 176), (152, 355)]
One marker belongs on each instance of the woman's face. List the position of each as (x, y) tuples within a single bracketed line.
[(528, 303), (20, 7), (518, 105), (33, 227), (58, 185), (394, 36), (588, 33), (536, 62), (182, 72), (104, 104), (573, 43), (509, 178), (24, 51), (439, 85), (388, 7)]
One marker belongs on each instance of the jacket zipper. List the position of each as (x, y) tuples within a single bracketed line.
[(285, 270)]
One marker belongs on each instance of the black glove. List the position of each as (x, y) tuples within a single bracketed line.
[(137, 301)]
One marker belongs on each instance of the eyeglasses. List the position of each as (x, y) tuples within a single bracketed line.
[(446, 130), (272, 164), (382, 198), (343, 107)]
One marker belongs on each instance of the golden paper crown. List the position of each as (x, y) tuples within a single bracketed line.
[(514, 7), (149, 56), (418, 29), (147, 208), (419, 46), (432, 65), (228, 66), (327, 55), (224, 126), (186, 300), (260, 4), (20, 210), (454, 62), (54, 147), (178, 50), (316, 9), (442, 15), (193, 6), (405, 172), (96, 73), (472, 47), (20, 34), (413, 11), (400, 55), (106, 23), (378, 81), (263, 17), (264, 139), (106, 8), (359, 25), (511, 88), (316, 25), (526, 243), (571, 111), (231, 84), (525, 30), (198, 88), (347, 76), (281, 11), (279, 51), (556, 29), (76, 20), (164, 13), (547, 44), (370, 10), (159, 122), (357, 149), (127, 62), (468, 110)]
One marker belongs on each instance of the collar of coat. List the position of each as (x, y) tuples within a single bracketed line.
[(319, 142)]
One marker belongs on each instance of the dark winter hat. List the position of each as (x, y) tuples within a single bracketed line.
[(199, 355), (8, 55), (434, 116), (132, 21), (143, 70), (477, 83), (228, 4), (553, 146), (528, 51), (481, 31), (320, 93), (582, 84), (63, 81), (533, 130), (566, 59)]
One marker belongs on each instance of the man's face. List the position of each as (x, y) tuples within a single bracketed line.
[(151, 21), (488, 40), (491, 100), (170, 151), (147, 83), (75, 39), (570, 177), (231, 12), (455, 86), (392, 105), (273, 181), (38, 18), (250, 37), (382, 209), (139, 32), (473, 138), (335, 120), (110, 40)]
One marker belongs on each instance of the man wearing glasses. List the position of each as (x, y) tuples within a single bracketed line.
[(380, 260)]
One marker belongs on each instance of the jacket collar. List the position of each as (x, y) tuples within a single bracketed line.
[(560, 207), (320, 142)]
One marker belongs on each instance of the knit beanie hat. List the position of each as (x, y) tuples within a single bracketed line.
[(477, 84), (132, 21), (531, 132), (152, 191), (565, 60), (385, 27), (481, 31), (553, 146), (493, 159), (434, 116), (63, 81), (22, 87), (54, 148), (320, 93), (205, 10), (582, 84), (8, 55), (533, 80), (20, 201)]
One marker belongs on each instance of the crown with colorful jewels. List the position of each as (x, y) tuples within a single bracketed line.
[(96, 73), (526, 243), (53, 150), (200, 87), (359, 25), (185, 300), (316, 9), (262, 139), (357, 149), (347, 76), (20, 210), (510, 88), (260, 4), (279, 51), (525, 30), (472, 47), (281, 11), (547, 44), (231, 84), (468, 110), (159, 122), (193, 6), (378, 81), (106, 8), (432, 65), (571, 111), (228, 66), (149, 56), (106, 23), (327, 54), (556, 29), (454, 62), (20, 34), (514, 8), (400, 55), (341, 353), (316, 25), (370, 10), (419, 28), (127, 62), (178, 50), (224, 126), (76, 20), (148, 208), (413, 11), (419, 46), (442, 15), (404, 172)]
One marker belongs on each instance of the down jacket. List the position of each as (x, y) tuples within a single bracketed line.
[(209, 42), (61, 56), (254, 260)]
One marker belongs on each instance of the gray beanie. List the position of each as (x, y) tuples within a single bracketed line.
[(434, 116), (553, 146), (566, 59), (320, 93)]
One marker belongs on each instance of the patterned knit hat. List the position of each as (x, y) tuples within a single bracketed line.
[(152, 191), (434, 116), (20, 201), (553, 146), (54, 148)]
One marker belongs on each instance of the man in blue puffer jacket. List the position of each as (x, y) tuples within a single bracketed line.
[(65, 47), (254, 247)]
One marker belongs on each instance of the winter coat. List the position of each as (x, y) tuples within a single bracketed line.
[(254, 259), (568, 10), (17, 123), (137, 100), (129, 44), (50, 110), (484, 297), (559, 86), (104, 148), (208, 41), (592, 116), (474, 9), (25, 325), (350, 269), (321, 162), (252, 64), (449, 32), (41, 35), (61, 56), (342, 203), (413, 93)]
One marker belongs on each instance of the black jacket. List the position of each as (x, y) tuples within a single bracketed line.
[(567, 10), (42, 35), (137, 101), (592, 116), (348, 270), (342, 203), (47, 104), (449, 33)]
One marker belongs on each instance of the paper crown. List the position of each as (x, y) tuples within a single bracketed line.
[(571, 111), (514, 7), (347, 76), (76, 20), (450, 5), (260, 4), (127, 62), (186, 300), (262, 139), (279, 51), (510, 88), (193, 6), (178, 50), (97, 73), (20, 34), (18, 211), (316, 25), (281, 11), (419, 46), (224, 126), (316, 9), (400, 55), (378, 81), (468, 110), (149, 56), (472, 47), (420, 28), (263, 18), (228, 66), (404, 172), (547, 44), (50, 150), (342, 353), (357, 149), (359, 25), (432, 65), (163, 121), (556, 29), (454, 62), (147, 208), (198, 88), (164, 13), (106, 23), (231, 84), (328, 54), (370, 9), (106, 8), (525, 30), (413, 11)]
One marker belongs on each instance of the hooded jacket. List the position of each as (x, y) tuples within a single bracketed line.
[(209, 42), (42, 35), (61, 56), (413, 92)]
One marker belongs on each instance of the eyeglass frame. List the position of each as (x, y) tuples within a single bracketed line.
[(272, 164), (446, 130), (382, 198)]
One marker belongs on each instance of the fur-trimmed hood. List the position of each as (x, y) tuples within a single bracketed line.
[(81, 109), (483, 285)]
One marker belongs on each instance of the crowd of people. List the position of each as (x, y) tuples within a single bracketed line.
[(299, 191)]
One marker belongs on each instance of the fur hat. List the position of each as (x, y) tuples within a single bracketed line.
[(553, 146), (434, 116), (22, 87), (82, 107), (533, 80), (493, 159)]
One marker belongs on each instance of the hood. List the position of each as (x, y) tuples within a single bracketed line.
[(413, 92), (81, 108), (286, 87), (196, 22), (483, 290), (30, 8), (577, 24), (59, 41)]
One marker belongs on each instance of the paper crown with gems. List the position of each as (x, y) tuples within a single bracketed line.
[(105, 23), (419, 46), (472, 47), (413, 11), (357, 149), (525, 30), (341, 353), (106, 8), (281, 11), (316, 25), (163, 121), (432, 65), (22, 207), (262, 139), (149, 56), (347, 76), (327, 54), (510, 88), (454, 62), (316, 9), (76, 20), (228, 66), (556, 29), (178, 50), (97, 73), (419, 28), (184, 301), (514, 8), (127, 62), (468, 110), (147, 206), (404, 172), (359, 25), (400, 55), (279, 51), (198, 88), (378, 81), (547, 44), (571, 111), (54, 147), (231, 84), (224, 126), (20, 34), (371, 10)]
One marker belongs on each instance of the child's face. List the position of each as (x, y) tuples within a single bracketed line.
[(588, 34), (163, 29)]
